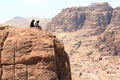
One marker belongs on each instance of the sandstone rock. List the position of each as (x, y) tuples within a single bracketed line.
[(115, 17), (87, 62), (32, 54), (108, 42), (93, 19)]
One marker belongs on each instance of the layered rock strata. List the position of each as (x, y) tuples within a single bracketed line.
[(32, 54), (93, 19)]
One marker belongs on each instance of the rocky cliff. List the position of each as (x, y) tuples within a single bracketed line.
[(93, 57), (93, 19), (109, 42), (32, 54)]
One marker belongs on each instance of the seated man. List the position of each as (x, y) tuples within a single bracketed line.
[(37, 24), (32, 23)]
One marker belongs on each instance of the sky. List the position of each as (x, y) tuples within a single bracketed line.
[(42, 8)]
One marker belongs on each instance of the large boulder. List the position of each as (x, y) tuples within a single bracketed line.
[(32, 54)]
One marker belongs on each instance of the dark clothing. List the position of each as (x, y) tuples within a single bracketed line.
[(37, 25), (32, 23)]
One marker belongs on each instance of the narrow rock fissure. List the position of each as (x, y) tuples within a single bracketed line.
[(26, 73), (14, 63), (15, 50), (58, 74), (14, 59)]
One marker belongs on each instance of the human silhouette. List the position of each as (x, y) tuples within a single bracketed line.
[(32, 23), (37, 24)]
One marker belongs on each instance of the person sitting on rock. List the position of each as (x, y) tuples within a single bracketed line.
[(37, 24), (32, 23)]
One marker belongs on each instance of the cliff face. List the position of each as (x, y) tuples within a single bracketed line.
[(115, 21), (93, 18), (32, 54), (108, 42)]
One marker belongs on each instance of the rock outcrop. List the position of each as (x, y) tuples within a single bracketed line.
[(93, 18), (32, 54), (109, 42), (115, 20)]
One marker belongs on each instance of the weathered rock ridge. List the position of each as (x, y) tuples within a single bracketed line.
[(109, 42), (93, 19), (32, 54)]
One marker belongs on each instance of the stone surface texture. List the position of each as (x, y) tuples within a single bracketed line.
[(32, 54), (93, 19)]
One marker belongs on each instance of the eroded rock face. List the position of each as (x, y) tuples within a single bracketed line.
[(32, 54), (87, 53), (93, 19), (109, 42), (115, 21)]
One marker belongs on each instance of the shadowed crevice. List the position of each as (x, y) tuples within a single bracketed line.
[(62, 62), (2, 45)]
